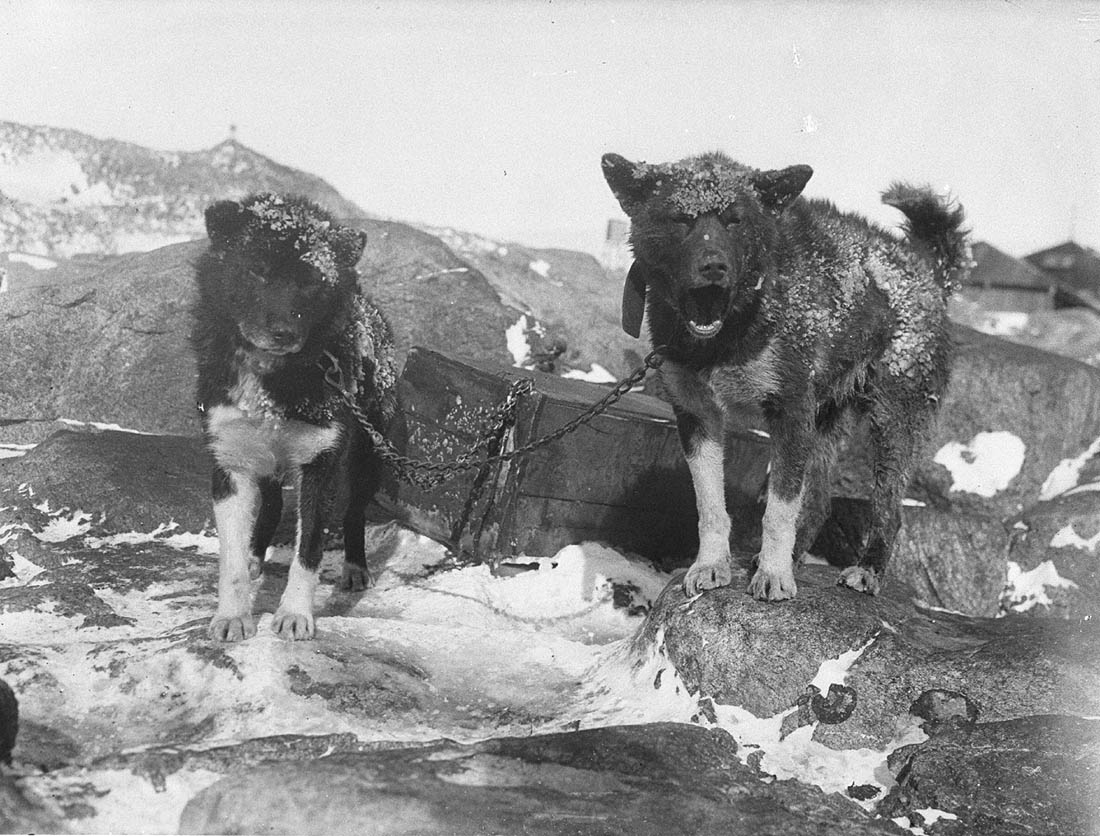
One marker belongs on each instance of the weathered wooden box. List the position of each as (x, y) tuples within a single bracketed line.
[(620, 479)]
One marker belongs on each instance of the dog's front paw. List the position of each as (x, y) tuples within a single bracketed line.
[(355, 578), (861, 579), (231, 628), (707, 574), (769, 585), (293, 626)]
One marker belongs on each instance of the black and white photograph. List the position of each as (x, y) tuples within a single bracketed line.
[(550, 417)]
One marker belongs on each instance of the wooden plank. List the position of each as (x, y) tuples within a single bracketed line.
[(620, 479)]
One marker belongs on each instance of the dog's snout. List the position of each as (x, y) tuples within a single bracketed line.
[(713, 267), (281, 330)]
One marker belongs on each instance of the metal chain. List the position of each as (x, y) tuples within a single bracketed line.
[(426, 475)]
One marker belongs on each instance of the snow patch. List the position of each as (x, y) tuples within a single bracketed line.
[(64, 527), (202, 543), (38, 262), (516, 337), (102, 426), (1002, 323), (597, 374), (540, 266), (1025, 590), (44, 177), (986, 465), (12, 451), (1067, 474), (1067, 536)]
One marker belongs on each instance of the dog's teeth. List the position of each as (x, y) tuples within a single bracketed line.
[(705, 330)]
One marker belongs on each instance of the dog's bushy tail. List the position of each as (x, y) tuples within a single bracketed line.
[(935, 228)]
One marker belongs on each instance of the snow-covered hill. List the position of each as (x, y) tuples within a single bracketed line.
[(64, 192)]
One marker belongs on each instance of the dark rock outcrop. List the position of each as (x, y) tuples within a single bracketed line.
[(1025, 777)]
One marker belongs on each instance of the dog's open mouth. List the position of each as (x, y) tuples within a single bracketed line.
[(704, 310)]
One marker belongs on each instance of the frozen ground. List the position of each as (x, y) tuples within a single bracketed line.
[(429, 652)]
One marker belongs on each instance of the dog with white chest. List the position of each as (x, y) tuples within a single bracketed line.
[(278, 305)]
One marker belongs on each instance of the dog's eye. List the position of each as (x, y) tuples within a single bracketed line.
[(682, 218), (257, 277), (729, 216)]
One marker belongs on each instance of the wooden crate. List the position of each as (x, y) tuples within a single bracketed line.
[(620, 479)]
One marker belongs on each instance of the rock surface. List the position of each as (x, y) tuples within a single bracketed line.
[(1053, 564), (648, 779), (998, 387), (723, 642), (1025, 777)]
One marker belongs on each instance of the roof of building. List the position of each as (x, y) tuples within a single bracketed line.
[(996, 269)]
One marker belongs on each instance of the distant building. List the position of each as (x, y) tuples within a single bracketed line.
[(1000, 283), (616, 245), (1075, 271)]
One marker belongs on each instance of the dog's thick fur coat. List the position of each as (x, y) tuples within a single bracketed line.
[(278, 302), (762, 296)]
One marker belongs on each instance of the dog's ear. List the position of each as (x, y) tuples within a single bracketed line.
[(224, 219), (634, 299), (629, 182), (778, 188), (348, 244)]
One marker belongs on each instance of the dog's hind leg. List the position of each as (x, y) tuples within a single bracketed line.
[(294, 616), (817, 493), (271, 509), (896, 432), (236, 498), (365, 478)]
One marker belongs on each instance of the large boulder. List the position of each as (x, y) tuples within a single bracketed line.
[(734, 650), (111, 344), (571, 293), (110, 482), (993, 450), (996, 445), (107, 341)]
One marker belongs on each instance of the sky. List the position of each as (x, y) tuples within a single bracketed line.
[(491, 117)]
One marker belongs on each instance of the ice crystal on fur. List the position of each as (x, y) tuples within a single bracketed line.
[(296, 221), (707, 183)]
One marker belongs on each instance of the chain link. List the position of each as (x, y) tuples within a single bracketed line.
[(426, 475)]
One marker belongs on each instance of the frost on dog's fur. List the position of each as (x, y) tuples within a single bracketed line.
[(278, 302), (765, 297)]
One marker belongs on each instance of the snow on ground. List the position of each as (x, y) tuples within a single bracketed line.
[(1024, 590), (597, 374), (986, 464), (72, 422), (38, 262), (12, 451), (47, 176), (546, 647), (1067, 474)]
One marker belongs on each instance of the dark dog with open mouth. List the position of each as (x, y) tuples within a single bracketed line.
[(278, 302), (764, 297)]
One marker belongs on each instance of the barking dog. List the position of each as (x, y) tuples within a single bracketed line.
[(278, 298), (763, 296)]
